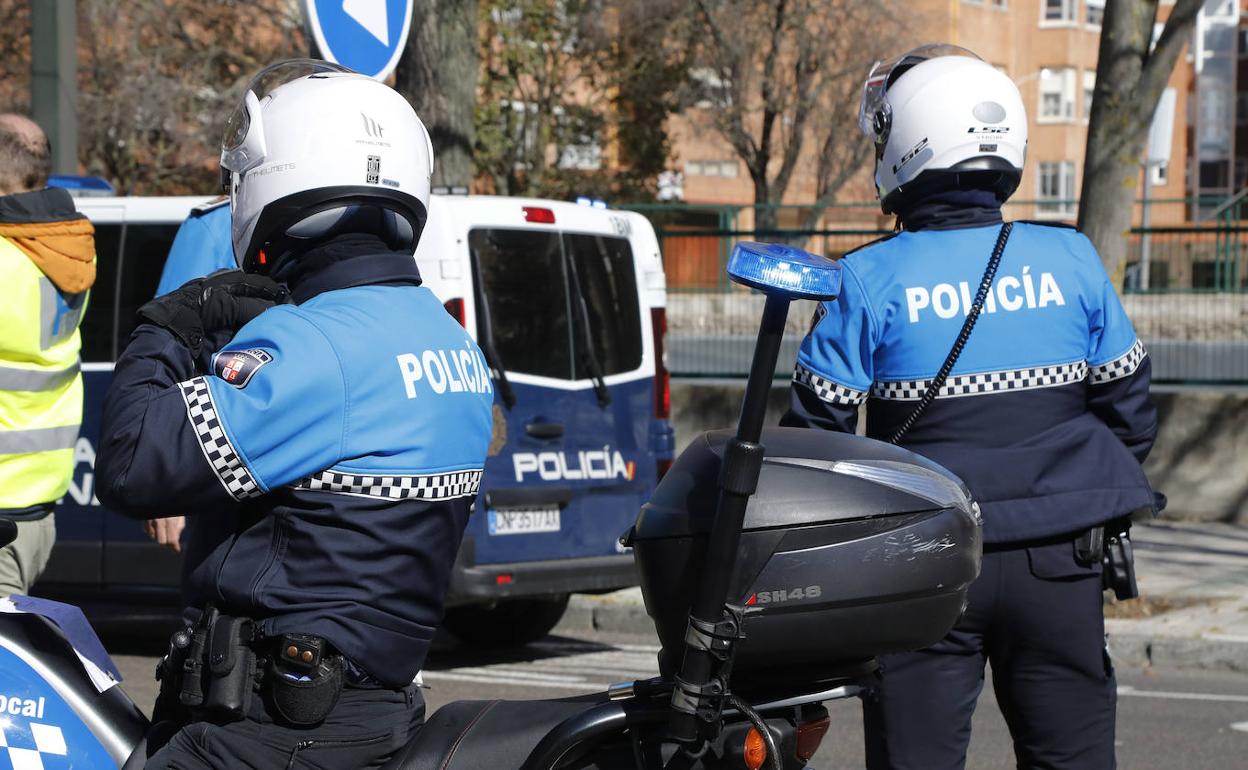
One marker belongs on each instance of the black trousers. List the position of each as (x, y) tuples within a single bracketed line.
[(366, 728), (1037, 616)]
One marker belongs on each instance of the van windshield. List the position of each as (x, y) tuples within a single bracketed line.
[(533, 322)]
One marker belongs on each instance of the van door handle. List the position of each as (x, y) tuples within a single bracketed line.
[(545, 430)]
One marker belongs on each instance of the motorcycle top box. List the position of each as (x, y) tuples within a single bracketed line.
[(851, 548)]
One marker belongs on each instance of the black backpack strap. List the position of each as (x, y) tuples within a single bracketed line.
[(981, 296)]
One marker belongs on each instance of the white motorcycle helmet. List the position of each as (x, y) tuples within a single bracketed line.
[(941, 118), (314, 149)]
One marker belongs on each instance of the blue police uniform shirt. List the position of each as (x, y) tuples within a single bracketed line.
[(1046, 414), (202, 245), (330, 453)]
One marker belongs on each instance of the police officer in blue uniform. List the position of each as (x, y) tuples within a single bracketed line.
[(326, 422), (202, 245), (1045, 414)]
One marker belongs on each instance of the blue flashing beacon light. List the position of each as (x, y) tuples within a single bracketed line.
[(786, 271)]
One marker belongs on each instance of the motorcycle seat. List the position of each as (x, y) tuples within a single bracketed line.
[(470, 735)]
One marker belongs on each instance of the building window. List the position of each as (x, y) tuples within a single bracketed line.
[(1002, 4), (1159, 174), (711, 89), (1089, 91), (1056, 196), (1095, 12), (586, 156), (723, 168), (1057, 94), (1059, 10)]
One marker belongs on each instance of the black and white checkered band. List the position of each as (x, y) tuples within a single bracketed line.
[(434, 486), (827, 390), (984, 382), (225, 462), (1120, 367)]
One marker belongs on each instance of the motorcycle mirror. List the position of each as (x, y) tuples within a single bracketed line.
[(784, 271), (8, 531)]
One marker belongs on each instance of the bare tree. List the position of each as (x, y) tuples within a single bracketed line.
[(783, 78), (157, 79), (533, 92), (1131, 73), (438, 75), (640, 60)]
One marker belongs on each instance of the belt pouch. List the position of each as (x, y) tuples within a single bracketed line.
[(303, 700), (231, 666), (193, 680)]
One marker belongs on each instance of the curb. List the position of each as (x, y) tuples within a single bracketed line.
[(602, 615), (627, 615), (1203, 653)]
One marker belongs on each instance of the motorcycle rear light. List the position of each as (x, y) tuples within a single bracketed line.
[(809, 736), (755, 751), (456, 308), (503, 580), (539, 215)]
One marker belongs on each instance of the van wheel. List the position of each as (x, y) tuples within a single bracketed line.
[(507, 623)]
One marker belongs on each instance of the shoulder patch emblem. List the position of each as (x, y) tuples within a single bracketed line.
[(237, 367)]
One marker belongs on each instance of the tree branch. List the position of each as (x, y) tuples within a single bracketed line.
[(1159, 63)]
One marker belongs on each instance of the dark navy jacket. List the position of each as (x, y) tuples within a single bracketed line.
[(1046, 415), (331, 452)]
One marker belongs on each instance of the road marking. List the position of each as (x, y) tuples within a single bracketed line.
[(455, 676), (1206, 696), (1241, 726), (567, 665)]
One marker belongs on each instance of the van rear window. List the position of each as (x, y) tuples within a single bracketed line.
[(608, 284), (533, 285)]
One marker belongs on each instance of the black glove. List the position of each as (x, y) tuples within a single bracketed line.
[(205, 307)]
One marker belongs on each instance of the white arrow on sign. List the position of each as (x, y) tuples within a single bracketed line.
[(371, 15)]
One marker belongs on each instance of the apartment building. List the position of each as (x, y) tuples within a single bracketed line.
[(1049, 48)]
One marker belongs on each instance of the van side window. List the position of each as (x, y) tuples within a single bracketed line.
[(100, 319), (533, 308), (608, 282), (143, 257), (522, 276)]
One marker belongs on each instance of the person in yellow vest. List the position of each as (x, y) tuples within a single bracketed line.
[(47, 266)]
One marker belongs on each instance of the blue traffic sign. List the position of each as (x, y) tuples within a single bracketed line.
[(366, 35)]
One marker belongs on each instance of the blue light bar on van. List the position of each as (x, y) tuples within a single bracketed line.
[(85, 186), (591, 202), (776, 269)]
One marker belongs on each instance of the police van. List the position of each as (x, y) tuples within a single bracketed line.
[(567, 302)]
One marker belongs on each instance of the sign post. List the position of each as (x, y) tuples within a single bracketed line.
[(366, 35)]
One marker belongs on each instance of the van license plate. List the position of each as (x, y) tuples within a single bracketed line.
[(521, 521)]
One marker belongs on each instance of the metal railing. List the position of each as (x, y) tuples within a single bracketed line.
[(1193, 315)]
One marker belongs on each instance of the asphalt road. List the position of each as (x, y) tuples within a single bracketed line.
[(1166, 719)]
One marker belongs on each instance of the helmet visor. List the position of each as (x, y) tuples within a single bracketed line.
[(264, 83), (873, 110)]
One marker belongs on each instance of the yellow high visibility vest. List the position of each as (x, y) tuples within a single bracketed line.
[(40, 382)]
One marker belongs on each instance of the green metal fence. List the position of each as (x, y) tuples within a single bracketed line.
[(1190, 306)]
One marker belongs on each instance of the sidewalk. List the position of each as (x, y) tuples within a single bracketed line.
[(1193, 611)]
